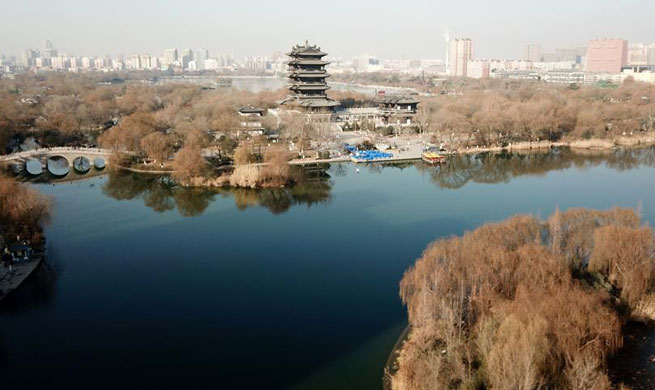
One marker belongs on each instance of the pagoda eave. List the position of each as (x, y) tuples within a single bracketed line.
[(309, 62), (309, 75), (301, 88), (306, 54)]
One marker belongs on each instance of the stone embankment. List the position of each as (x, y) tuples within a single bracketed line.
[(13, 277)]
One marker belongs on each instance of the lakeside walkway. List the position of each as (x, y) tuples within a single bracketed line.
[(12, 279)]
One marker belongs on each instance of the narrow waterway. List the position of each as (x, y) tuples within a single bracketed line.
[(149, 284)]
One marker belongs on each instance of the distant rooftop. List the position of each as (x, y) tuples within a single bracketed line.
[(251, 110), (400, 99)]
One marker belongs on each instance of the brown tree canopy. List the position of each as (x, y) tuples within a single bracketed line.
[(525, 303), (189, 163), (128, 134), (23, 209), (157, 146), (63, 109)]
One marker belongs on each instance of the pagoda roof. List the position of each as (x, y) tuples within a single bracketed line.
[(306, 50), (317, 103), (310, 102)]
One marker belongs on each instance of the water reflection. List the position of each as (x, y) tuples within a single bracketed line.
[(157, 192), (493, 168), (73, 175), (160, 194)]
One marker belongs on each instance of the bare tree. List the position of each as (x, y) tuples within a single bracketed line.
[(157, 146), (189, 163)]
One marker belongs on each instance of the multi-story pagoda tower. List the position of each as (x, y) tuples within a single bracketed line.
[(307, 79)]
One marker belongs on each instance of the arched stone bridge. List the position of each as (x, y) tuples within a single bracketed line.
[(69, 153)]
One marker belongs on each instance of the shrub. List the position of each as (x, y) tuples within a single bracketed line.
[(243, 154), (277, 171)]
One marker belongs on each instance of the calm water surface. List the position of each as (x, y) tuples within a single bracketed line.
[(152, 285)]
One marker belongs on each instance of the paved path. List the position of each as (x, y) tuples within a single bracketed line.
[(9, 281)]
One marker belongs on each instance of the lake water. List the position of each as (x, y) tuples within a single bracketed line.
[(148, 284)]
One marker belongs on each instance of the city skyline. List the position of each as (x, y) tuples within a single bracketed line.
[(260, 28)]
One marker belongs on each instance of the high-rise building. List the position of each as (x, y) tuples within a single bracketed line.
[(569, 54), (307, 76), (211, 64), (532, 53), (118, 63), (27, 58), (144, 62), (574, 54), (461, 52), (479, 69), (154, 63), (58, 63), (225, 59), (170, 56), (650, 54), (48, 50), (185, 57), (199, 56), (361, 63), (607, 55), (135, 61), (637, 54), (86, 62)]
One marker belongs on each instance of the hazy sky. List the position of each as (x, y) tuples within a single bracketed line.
[(410, 28)]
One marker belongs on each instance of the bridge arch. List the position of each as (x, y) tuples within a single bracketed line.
[(58, 165), (82, 164)]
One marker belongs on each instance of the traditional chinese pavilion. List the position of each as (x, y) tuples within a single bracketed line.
[(307, 79)]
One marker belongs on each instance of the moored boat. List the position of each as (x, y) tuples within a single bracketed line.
[(362, 156), (432, 156)]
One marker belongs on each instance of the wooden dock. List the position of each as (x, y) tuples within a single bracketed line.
[(12, 279)]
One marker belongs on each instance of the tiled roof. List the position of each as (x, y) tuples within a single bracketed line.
[(399, 100), (306, 50), (250, 110)]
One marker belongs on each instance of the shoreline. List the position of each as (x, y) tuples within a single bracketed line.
[(391, 365), (627, 142), (137, 170), (624, 142), (11, 281), (400, 155)]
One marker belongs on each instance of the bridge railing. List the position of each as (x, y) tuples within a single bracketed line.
[(55, 150)]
